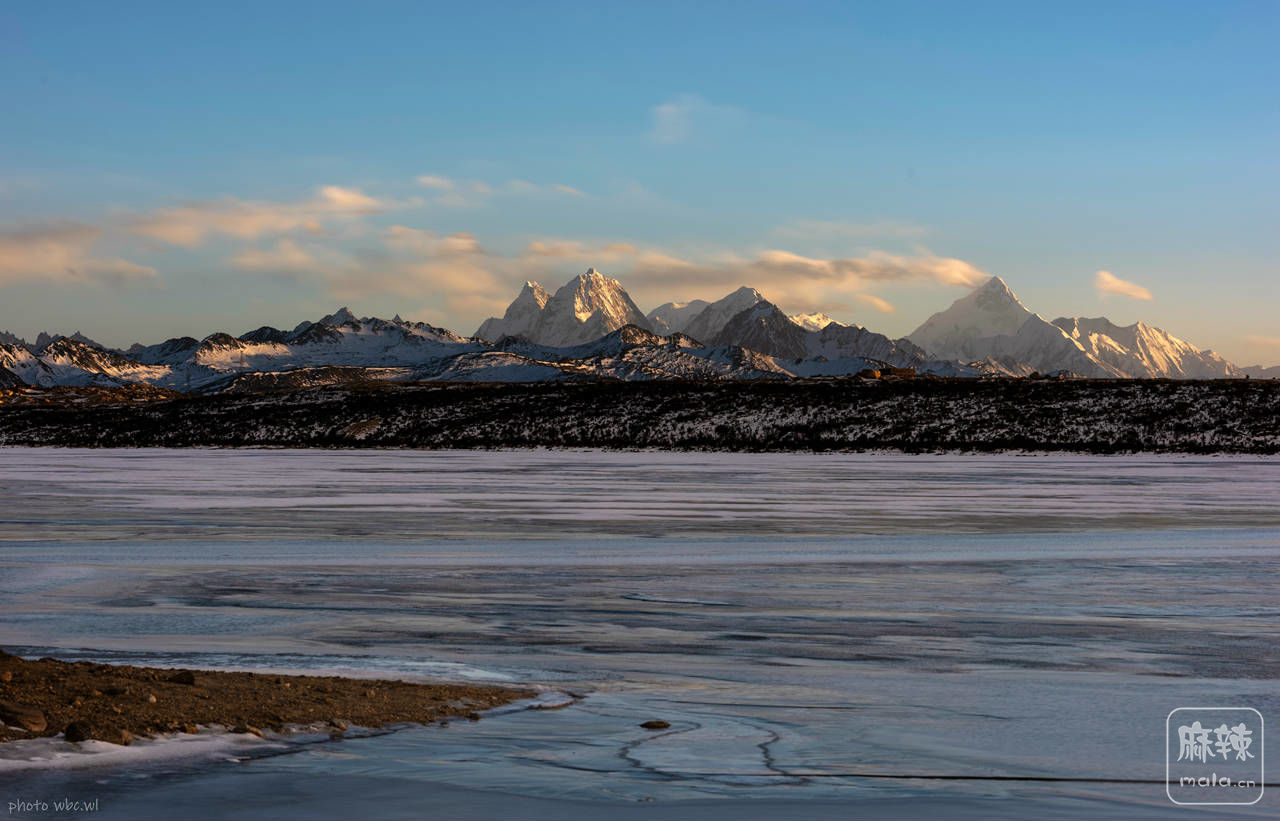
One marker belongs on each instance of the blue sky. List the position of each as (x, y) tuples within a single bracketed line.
[(174, 168)]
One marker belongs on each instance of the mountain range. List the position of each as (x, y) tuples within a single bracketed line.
[(590, 328)]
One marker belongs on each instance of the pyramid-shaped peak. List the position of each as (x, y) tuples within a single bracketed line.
[(996, 286), (994, 291), (592, 282), (339, 317)]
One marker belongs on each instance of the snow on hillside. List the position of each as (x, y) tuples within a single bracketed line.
[(811, 322), (1139, 350), (520, 317), (25, 365), (9, 379), (591, 329), (707, 324), (1260, 372), (991, 324), (587, 307), (674, 317)]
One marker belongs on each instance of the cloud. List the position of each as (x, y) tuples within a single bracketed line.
[(673, 119), (62, 252), (876, 266), (1265, 341), (285, 257), (427, 243), (1108, 283), (837, 229), (795, 281), (432, 181), (191, 225), (681, 117), (474, 193), (568, 249), (876, 302)]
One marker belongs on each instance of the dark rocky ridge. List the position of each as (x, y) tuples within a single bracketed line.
[(914, 415)]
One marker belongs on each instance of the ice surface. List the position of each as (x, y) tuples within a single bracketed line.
[(807, 624)]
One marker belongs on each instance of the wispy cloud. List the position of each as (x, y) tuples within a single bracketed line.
[(62, 252), (433, 181), (474, 193), (191, 225), (687, 115), (1108, 283), (285, 257), (839, 229), (1265, 341), (797, 282), (882, 305)]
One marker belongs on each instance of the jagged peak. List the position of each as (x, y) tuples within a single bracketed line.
[(339, 317), (593, 279)]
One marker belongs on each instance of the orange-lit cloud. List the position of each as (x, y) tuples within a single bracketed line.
[(62, 252), (1108, 283)]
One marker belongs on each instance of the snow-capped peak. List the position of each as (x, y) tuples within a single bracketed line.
[(591, 299), (585, 308), (812, 322), (706, 325), (989, 310), (339, 317), (1141, 350), (674, 317)]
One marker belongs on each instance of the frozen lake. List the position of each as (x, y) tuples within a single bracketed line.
[(829, 635)]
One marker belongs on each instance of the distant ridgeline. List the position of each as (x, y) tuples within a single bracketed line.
[(591, 329), (908, 414)]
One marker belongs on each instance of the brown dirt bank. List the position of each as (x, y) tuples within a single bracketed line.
[(113, 703)]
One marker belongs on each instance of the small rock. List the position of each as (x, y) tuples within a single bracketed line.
[(190, 729), (151, 698), (96, 693), (21, 715), (249, 729), (656, 724), (473, 716), (115, 708), (338, 723), (85, 730), (6, 676), (183, 677)]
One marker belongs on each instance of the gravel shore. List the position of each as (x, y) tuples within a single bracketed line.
[(114, 703)]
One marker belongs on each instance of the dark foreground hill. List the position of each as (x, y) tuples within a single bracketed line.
[(1092, 416)]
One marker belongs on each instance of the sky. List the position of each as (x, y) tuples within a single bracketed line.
[(178, 169)]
